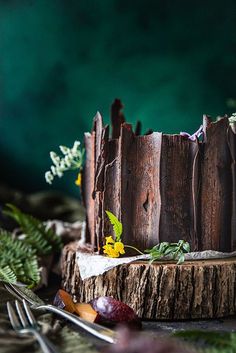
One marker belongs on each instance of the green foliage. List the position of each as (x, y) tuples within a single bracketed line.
[(7, 275), (210, 341), (175, 250), (43, 240), (18, 260), (117, 225)]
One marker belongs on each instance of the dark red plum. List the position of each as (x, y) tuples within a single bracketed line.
[(111, 310)]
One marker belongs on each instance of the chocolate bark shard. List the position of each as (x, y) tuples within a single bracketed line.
[(88, 185), (216, 188), (178, 189), (117, 118), (232, 148), (140, 199), (112, 180)]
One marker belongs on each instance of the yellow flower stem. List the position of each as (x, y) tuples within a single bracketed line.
[(132, 247)]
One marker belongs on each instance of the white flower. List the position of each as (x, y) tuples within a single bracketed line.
[(64, 149), (71, 159), (55, 158), (49, 177), (54, 170), (74, 150), (68, 161), (62, 165), (59, 172), (70, 155)]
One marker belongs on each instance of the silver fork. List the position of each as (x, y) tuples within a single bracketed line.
[(27, 325), (23, 293)]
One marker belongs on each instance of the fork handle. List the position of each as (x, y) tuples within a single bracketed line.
[(46, 346), (95, 329)]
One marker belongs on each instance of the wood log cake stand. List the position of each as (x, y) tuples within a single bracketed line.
[(161, 291)]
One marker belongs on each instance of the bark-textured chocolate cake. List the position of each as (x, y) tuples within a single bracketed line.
[(162, 188)]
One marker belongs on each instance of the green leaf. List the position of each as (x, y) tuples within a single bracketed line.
[(174, 250), (43, 240), (117, 225), (19, 259), (180, 259), (7, 275), (186, 247)]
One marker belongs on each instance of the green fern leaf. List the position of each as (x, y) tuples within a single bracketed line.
[(43, 240), (19, 259), (117, 225), (7, 275)]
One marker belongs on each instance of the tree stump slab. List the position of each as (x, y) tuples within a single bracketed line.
[(160, 291)]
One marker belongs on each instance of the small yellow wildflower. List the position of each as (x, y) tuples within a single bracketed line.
[(78, 180), (113, 248), (119, 247), (110, 240), (110, 251)]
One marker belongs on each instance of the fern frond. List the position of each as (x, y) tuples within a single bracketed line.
[(117, 225), (19, 259), (43, 240), (7, 275), (31, 272)]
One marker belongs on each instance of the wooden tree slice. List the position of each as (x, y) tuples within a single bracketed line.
[(161, 291)]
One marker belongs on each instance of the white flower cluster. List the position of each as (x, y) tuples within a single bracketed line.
[(71, 159)]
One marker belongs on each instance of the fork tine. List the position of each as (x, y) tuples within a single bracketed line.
[(21, 314), (29, 314), (13, 317)]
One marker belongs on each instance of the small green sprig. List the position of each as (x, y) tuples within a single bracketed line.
[(117, 225), (71, 159), (175, 251)]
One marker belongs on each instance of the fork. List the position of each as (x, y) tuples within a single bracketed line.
[(27, 325), (24, 293)]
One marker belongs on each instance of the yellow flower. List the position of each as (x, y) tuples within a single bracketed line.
[(78, 180), (110, 251), (110, 240), (119, 247), (113, 248)]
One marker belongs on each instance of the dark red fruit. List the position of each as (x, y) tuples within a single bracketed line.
[(112, 310)]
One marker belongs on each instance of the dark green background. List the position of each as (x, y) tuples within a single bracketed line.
[(61, 61)]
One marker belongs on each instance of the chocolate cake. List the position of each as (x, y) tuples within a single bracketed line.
[(162, 187)]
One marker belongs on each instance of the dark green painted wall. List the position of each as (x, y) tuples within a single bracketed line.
[(61, 61)]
